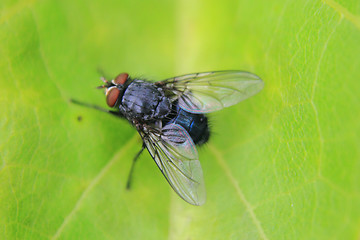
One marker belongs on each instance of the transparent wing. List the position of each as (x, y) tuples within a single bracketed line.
[(211, 91), (175, 154)]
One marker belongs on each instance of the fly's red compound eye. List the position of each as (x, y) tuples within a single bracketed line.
[(121, 78), (112, 95)]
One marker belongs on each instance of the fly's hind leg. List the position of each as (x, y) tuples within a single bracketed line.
[(128, 184)]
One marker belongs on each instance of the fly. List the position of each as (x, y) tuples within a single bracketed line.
[(170, 116)]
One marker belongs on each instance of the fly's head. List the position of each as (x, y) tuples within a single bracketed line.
[(114, 89)]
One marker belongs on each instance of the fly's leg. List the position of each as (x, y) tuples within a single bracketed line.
[(128, 184), (88, 105)]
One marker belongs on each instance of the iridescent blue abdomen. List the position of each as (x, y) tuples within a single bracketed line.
[(195, 124)]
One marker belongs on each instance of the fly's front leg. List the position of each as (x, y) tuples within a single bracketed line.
[(88, 105), (128, 184), (139, 127)]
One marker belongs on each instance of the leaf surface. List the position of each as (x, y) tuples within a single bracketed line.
[(283, 164)]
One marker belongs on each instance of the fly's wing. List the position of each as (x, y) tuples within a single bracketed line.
[(211, 91), (175, 154)]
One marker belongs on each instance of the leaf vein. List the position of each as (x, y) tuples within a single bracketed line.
[(43, 59), (91, 186), (317, 120), (238, 190), (354, 19)]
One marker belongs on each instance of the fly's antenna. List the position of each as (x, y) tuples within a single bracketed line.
[(106, 85)]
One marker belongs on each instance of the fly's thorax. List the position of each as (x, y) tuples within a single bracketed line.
[(144, 101)]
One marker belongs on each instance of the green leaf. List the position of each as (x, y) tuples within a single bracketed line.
[(281, 165)]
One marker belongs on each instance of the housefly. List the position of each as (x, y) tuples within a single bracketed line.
[(170, 118)]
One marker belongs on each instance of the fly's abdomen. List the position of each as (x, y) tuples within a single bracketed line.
[(195, 124), (143, 100)]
